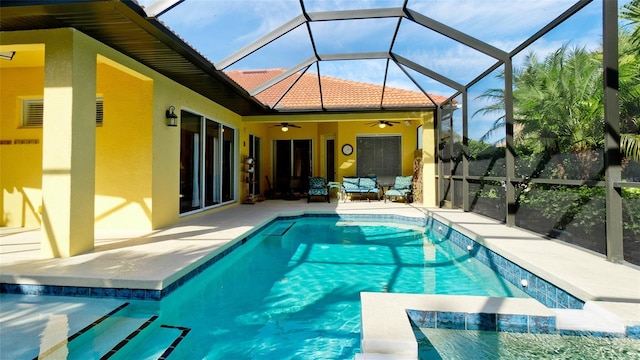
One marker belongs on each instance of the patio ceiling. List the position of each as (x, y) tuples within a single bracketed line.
[(390, 44)]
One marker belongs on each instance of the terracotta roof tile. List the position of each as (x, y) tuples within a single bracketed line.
[(336, 93)]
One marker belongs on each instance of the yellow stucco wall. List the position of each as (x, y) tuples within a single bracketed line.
[(124, 151), (21, 170), (344, 128)]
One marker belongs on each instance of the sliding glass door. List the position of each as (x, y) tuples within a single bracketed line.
[(207, 163), (292, 164)]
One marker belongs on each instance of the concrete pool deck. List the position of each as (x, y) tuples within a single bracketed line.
[(154, 259)]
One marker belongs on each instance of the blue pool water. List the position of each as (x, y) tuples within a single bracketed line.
[(293, 290)]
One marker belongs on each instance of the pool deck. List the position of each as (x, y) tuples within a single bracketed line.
[(154, 259)]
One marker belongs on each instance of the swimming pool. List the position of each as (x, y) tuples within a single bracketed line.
[(292, 291)]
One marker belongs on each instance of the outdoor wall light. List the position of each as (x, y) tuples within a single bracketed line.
[(172, 118)]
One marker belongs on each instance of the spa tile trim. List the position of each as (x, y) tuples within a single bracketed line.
[(515, 323)]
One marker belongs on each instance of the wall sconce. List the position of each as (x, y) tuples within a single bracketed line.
[(172, 118)]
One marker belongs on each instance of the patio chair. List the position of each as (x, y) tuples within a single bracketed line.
[(318, 187), (403, 186)]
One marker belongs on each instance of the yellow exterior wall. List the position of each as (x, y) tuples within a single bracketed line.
[(137, 154), (124, 151), (349, 131), (166, 147), (344, 128), (21, 170)]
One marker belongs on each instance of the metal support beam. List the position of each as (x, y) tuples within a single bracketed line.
[(426, 72), (300, 74), (510, 155), (356, 14), (354, 56), (160, 7), (437, 127), (263, 41), (612, 157), (550, 26), (456, 35), (302, 66), (466, 204)]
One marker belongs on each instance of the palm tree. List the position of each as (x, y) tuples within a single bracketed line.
[(558, 105), (629, 69), (544, 89)]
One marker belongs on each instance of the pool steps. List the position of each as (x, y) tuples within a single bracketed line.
[(66, 345), (104, 338)]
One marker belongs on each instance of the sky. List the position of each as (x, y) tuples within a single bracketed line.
[(220, 28)]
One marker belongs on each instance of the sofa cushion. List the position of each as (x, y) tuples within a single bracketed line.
[(368, 183), (351, 183), (403, 183), (317, 183)]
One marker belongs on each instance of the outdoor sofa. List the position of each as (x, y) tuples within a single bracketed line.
[(364, 185)]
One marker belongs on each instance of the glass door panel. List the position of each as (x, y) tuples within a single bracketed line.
[(190, 158)]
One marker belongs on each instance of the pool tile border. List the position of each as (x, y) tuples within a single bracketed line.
[(157, 295), (537, 287)]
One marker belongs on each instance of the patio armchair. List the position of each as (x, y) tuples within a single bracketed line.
[(403, 186), (318, 187)]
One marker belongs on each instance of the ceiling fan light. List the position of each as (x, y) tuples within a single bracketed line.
[(285, 128), (382, 125)]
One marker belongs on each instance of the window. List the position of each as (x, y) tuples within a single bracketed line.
[(379, 155), (33, 112)]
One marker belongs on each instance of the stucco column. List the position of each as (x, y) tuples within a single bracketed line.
[(68, 146), (429, 161)]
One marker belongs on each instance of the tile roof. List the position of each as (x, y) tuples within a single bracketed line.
[(336, 93)]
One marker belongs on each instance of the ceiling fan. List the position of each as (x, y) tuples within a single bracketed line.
[(285, 126), (383, 123)]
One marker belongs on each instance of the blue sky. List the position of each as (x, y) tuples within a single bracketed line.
[(219, 28)]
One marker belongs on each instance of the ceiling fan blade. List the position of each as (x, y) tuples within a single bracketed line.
[(295, 126)]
